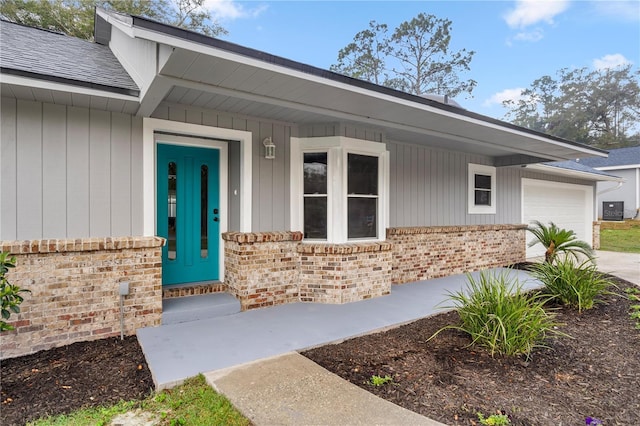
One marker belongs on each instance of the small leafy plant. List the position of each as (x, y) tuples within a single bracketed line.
[(379, 380), (494, 419), (633, 294), (500, 316), (9, 294), (577, 286), (558, 240)]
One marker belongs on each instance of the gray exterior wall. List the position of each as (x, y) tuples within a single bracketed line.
[(69, 172), (270, 184), (628, 192)]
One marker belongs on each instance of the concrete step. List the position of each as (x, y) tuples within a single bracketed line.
[(193, 308)]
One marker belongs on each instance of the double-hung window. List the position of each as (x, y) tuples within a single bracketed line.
[(482, 189), (338, 189)]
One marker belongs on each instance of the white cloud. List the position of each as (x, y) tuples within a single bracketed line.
[(505, 95), (532, 36), (610, 61), (626, 10), (230, 9), (530, 12)]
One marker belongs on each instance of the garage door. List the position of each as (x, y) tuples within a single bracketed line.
[(567, 205)]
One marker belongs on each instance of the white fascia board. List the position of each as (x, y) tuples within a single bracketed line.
[(234, 57), (625, 167), (60, 87), (573, 173)]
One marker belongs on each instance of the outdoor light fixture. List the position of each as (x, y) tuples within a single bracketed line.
[(269, 149)]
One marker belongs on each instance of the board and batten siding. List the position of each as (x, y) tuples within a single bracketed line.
[(270, 183), (428, 187), (69, 172)]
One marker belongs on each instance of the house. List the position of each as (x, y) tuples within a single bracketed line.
[(623, 162), (158, 162)]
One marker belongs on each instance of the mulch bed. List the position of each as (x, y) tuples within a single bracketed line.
[(597, 373), (61, 380)]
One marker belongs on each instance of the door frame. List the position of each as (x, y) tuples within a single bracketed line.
[(193, 136)]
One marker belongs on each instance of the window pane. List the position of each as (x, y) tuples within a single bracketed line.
[(172, 209), (483, 182), (204, 208), (362, 219), (315, 217), (315, 173), (362, 174), (483, 198)]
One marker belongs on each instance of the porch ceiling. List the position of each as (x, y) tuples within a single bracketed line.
[(233, 84)]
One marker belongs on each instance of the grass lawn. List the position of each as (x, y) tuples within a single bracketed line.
[(624, 240), (192, 403)]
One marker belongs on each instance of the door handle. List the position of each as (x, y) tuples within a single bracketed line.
[(215, 219)]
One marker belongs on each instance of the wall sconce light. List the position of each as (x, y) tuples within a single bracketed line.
[(269, 149)]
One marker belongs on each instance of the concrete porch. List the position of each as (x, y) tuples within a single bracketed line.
[(208, 342)]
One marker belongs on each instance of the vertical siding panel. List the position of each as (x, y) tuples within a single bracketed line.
[(177, 114), (77, 172), (433, 173), (393, 182), (278, 181), (286, 173), (406, 185), (120, 175), (8, 170), (420, 196), (99, 169), (162, 112), (426, 185), (415, 185), (29, 170), (193, 116), (225, 121), (136, 188), (210, 118), (54, 165), (265, 180)]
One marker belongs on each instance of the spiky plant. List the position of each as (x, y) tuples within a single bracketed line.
[(558, 240)]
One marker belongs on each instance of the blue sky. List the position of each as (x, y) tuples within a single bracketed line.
[(515, 41)]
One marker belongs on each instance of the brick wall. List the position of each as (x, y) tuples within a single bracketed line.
[(261, 269), (342, 273), (596, 235), (422, 253), (74, 287)]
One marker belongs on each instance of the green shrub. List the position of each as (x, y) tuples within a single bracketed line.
[(577, 286), (558, 240), (9, 294), (500, 316), (379, 380)]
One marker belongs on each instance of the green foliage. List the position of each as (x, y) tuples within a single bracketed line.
[(193, 403), (415, 58), (9, 293), (633, 294), (494, 419), (599, 108), (379, 380), (557, 240), (76, 17), (577, 286), (499, 316)]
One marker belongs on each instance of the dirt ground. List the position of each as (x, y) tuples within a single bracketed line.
[(61, 380), (596, 373)]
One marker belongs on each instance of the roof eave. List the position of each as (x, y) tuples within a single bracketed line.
[(559, 171)]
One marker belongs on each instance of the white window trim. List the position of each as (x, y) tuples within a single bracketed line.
[(472, 208), (337, 148)]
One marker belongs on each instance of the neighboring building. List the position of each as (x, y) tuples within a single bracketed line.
[(148, 158), (623, 162)]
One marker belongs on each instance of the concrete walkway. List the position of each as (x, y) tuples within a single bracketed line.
[(623, 265)]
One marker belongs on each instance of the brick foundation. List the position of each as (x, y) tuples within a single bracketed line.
[(423, 253), (74, 287), (342, 273)]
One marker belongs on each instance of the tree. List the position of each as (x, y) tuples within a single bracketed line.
[(416, 57), (76, 17), (599, 108)]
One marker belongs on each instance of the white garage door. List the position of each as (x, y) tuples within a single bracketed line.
[(567, 205)]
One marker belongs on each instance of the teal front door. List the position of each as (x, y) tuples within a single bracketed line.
[(188, 213)]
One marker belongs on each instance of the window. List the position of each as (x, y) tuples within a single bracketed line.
[(341, 184), (482, 189)]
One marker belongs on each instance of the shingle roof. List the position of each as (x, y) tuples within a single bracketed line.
[(578, 167), (47, 55), (617, 157)]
